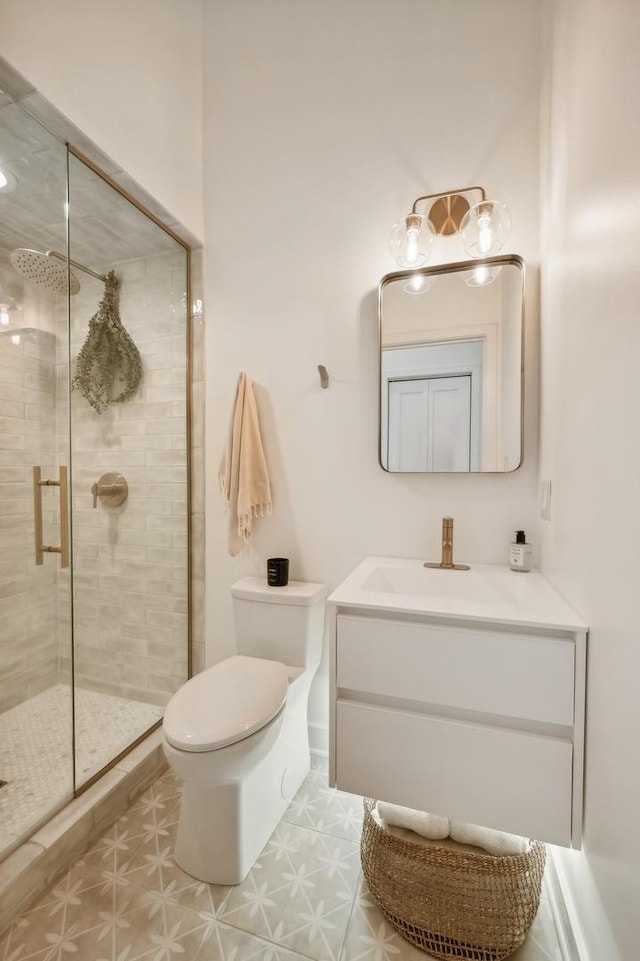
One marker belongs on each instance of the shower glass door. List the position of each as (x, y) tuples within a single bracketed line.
[(36, 714), (94, 393), (129, 466)]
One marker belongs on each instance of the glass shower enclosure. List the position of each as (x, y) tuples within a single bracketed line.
[(94, 472)]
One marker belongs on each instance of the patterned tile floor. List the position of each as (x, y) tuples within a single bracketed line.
[(126, 900), (35, 750)]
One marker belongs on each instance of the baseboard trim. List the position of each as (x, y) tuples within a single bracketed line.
[(319, 739), (565, 916)]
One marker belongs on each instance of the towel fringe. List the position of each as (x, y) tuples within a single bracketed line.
[(244, 520)]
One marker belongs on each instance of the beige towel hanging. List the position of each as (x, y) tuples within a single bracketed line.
[(244, 477)]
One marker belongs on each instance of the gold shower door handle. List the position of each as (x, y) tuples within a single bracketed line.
[(38, 484)]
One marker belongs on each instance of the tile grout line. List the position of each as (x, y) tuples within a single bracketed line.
[(341, 954)]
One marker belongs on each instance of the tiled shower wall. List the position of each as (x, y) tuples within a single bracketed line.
[(130, 562), (29, 652)]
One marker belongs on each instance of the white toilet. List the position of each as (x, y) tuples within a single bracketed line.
[(237, 733)]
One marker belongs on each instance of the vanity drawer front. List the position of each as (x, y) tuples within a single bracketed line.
[(509, 780), (515, 675)]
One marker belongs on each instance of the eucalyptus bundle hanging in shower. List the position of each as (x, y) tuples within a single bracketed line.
[(108, 368)]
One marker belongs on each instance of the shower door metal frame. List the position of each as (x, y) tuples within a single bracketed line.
[(79, 155)]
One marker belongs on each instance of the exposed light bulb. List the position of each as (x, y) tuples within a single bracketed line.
[(485, 227), (411, 239), (485, 236), (411, 252)]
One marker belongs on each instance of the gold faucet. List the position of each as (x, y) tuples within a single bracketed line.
[(447, 549)]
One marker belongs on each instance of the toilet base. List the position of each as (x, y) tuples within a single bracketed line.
[(224, 826)]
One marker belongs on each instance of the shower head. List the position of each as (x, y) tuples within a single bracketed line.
[(47, 270)]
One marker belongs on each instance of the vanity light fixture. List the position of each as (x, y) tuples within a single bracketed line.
[(483, 225)]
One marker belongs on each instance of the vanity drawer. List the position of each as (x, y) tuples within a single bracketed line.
[(515, 675), (509, 780)]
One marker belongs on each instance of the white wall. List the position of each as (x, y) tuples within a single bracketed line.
[(324, 123), (590, 435), (129, 75)]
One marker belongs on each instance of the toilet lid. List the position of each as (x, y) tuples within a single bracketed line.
[(225, 703)]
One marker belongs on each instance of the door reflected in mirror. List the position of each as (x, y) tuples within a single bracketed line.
[(451, 367)]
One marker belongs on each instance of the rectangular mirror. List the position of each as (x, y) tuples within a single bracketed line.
[(451, 367)]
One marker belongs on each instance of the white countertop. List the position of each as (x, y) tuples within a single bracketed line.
[(486, 592)]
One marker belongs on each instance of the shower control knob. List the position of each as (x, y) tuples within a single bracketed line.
[(112, 490)]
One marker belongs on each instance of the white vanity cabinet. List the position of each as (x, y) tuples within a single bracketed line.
[(464, 698)]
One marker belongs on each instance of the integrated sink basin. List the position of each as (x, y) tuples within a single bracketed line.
[(485, 592), (415, 579)]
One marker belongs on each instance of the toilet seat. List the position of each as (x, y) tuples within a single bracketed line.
[(226, 703)]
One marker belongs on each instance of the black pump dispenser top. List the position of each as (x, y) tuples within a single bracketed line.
[(520, 539)]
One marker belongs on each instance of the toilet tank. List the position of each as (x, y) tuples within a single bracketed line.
[(281, 623)]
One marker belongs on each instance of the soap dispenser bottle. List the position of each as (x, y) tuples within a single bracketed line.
[(520, 553)]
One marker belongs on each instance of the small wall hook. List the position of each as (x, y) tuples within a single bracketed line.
[(324, 375)]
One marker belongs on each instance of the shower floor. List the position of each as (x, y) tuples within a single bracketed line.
[(35, 750)]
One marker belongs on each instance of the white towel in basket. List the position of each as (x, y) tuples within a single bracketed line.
[(428, 825), (494, 842)]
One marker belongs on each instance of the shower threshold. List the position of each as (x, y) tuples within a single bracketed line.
[(35, 864), (35, 751)]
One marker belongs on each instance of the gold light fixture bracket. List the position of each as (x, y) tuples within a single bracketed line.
[(446, 214), (446, 210)]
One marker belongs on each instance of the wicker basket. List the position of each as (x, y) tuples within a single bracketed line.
[(448, 901)]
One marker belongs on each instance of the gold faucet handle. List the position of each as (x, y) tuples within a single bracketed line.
[(112, 489), (447, 549)]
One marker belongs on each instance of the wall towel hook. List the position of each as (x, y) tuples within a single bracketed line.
[(324, 376)]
